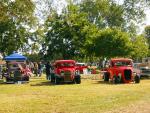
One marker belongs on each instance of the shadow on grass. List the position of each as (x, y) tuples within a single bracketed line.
[(48, 83), (2, 82), (36, 77), (145, 78), (102, 82), (108, 83)]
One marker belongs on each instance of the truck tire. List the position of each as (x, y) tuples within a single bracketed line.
[(137, 79), (116, 79), (106, 77), (52, 78), (26, 78), (78, 80), (57, 80)]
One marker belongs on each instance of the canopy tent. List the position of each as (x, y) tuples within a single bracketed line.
[(15, 56)]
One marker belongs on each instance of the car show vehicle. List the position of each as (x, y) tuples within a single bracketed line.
[(142, 68), (65, 71), (145, 71), (81, 67), (16, 70), (120, 70)]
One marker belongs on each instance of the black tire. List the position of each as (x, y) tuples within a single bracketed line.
[(106, 77), (137, 79), (78, 80), (26, 78), (116, 79), (52, 78)]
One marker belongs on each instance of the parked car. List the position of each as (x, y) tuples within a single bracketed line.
[(120, 70), (142, 69), (145, 71), (16, 71), (81, 67), (66, 71)]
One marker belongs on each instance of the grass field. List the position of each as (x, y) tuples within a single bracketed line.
[(91, 96)]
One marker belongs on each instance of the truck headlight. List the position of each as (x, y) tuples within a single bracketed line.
[(119, 74), (134, 73), (62, 73)]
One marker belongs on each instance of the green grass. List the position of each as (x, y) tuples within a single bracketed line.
[(91, 96)]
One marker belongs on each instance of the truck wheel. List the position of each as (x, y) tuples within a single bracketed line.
[(137, 79), (78, 80), (57, 81), (26, 78), (106, 77), (52, 78), (116, 79)]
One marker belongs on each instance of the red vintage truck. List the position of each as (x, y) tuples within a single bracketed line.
[(65, 71), (120, 70)]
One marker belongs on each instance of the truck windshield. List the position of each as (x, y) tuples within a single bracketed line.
[(123, 63), (65, 64)]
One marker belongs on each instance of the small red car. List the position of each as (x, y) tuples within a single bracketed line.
[(120, 70), (65, 71), (81, 67)]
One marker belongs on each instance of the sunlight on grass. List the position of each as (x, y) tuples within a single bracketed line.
[(91, 96)]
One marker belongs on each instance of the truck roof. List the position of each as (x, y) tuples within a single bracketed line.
[(120, 59)]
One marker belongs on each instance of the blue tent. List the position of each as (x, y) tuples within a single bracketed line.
[(15, 56)]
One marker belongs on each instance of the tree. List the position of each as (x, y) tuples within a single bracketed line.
[(147, 34), (140, 47), (102, 28), (103, 13), (15, 21), (65, 37), (111, 13), (112, 43)]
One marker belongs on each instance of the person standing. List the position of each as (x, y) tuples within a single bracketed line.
[(48, 68), (36, 69), (52, 73), (39, 69), (31, 66)]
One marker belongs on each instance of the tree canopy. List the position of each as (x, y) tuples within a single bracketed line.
[(94, 28), (112, 43), (15, 22), (84, 28)]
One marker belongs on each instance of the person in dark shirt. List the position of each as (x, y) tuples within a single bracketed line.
[(48, 69), (36, 68), (39, 69)]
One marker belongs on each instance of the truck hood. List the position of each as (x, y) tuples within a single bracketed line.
[(67, 69), (124, 67), (58, 71)]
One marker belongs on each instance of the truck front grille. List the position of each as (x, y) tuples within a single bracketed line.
[(67, 76), (67, 73)]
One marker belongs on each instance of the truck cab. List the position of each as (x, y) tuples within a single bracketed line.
[(65, 71)]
